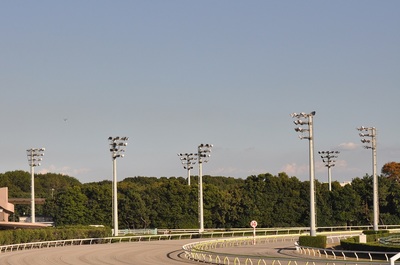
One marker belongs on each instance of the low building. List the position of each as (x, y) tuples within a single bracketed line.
[(7, 208)]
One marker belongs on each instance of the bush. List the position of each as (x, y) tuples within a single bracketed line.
[(354, 244), (349, 244), (313, 241), (8, 237), (373, 236)]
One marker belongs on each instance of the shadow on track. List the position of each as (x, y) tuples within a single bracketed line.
[(179, 256)]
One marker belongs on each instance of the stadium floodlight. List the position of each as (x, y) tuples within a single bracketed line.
[(188, 160), (117, 149), (303, 118), (371, 144), (328, 157), (203, 155), (34, 158)]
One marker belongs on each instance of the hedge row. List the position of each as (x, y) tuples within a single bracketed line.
[(313, 241), (354, 244), (373, 236), (8, 237)]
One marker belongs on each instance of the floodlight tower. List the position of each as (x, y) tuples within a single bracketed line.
[(34, 158), (188, 160), (371, 144), (307, 119), (117, 149), (203, 154), (328, 157)]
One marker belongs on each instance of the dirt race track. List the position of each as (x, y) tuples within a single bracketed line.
[(137, 253)]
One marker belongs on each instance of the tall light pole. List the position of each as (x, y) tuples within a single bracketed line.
[(307, 119), (188, 160), (328, 157), (370, 132), (117, 149), (34, 158), (203, 153)]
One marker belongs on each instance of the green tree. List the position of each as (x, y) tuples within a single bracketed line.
[(133, 211), (388, 200), (46, 185), (71, 207), (99, 202), (18, 183), (289, 206), (364, 188), (255, 204), (346, 205)]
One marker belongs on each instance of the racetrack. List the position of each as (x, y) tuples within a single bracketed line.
[(137, 253)]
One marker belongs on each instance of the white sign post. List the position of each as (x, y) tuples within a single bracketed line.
[(254, 225)]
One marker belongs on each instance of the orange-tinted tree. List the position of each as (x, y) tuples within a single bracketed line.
[(391, 170)]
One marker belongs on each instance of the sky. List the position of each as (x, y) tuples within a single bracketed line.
[(171, 75)]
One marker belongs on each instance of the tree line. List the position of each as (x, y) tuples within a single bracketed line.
[(149, 202)]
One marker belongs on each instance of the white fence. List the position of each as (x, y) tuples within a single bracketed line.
[(208, 251), (346, 254), (91, 241)]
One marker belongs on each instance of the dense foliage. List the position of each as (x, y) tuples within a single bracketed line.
[(148, 202), (313, 241), (18, 236), (391, 170)]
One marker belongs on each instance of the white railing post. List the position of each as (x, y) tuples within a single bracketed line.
[(394, 258)]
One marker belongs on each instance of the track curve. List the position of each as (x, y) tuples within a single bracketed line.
[(137, 253)]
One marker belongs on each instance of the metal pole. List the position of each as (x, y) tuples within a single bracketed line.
[(203, 152), (115, 201), (201, 216), (117, 148), (34, 157), (328, 157), (187, 160), (188, 176), (312, 178), (329, 178), (371, 144), (375, 181), (32, 192), (310, 137)]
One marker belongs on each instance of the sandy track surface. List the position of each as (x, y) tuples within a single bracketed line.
[(138, 253)]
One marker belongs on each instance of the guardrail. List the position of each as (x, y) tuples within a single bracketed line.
[(304, 229), (137, 231), (238, 231), (356, 227), (346, 254), (91, 241), (204, 251)]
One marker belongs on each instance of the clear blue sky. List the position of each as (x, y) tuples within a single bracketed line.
[(174, 74)]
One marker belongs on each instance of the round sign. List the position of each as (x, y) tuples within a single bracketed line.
[(253, 224)]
